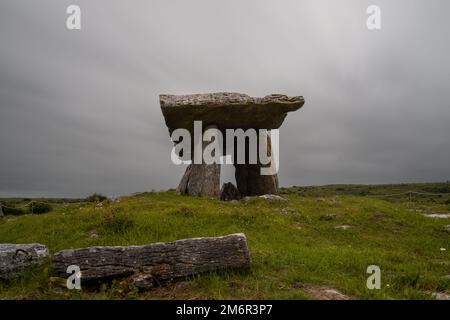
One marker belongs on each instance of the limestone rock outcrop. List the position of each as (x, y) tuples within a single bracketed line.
[(15, 258)]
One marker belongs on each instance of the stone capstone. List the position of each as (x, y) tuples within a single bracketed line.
[(227, 110)]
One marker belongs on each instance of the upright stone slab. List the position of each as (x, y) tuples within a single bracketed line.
[(250, 181), (201, 179), (226, 110)]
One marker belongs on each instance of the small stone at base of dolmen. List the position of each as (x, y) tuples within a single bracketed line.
[(229, 192), (273, 198), (15, 258)]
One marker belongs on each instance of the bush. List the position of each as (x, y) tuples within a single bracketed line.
[(13, 211), (39, 207), (116, 221), (96, 198)]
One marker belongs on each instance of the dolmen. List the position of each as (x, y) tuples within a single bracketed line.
[(223, 111)]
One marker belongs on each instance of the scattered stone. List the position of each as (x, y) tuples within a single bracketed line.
[(328, 217), (297, 226), (15, 258), (289, 212), (273, 198), (92, 234), (229, 192), (332, 202), (441, 296), (143, 281), (343, 227), (437, 215), (325, 293)]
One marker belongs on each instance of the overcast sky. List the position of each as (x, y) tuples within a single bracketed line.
[(79, 110)]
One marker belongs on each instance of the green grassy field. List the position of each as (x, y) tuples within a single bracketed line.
[(293, 245)]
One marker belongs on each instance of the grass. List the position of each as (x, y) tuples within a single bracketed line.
[(292, 244)]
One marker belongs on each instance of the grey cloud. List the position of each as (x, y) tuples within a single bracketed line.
[(79, 110)]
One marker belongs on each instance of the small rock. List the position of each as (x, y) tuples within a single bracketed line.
[(273, 198), (437, 215), (297, 226), (328, 217), (1, 212), (324, 293), (92, 234), (343, 227), (229, 192), (441, 296), (14, 258), (289, 212), (332, 202), (143, 281)]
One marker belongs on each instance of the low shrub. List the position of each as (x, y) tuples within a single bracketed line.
[(13, 211), (96, 197), (115, 220), (39, 207)]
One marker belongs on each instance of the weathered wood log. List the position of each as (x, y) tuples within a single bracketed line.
[(157, 262), (15, 258)]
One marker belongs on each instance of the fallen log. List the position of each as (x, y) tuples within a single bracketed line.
[(155, 263)]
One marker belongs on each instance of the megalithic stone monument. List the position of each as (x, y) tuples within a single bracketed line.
[(223, 111)]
